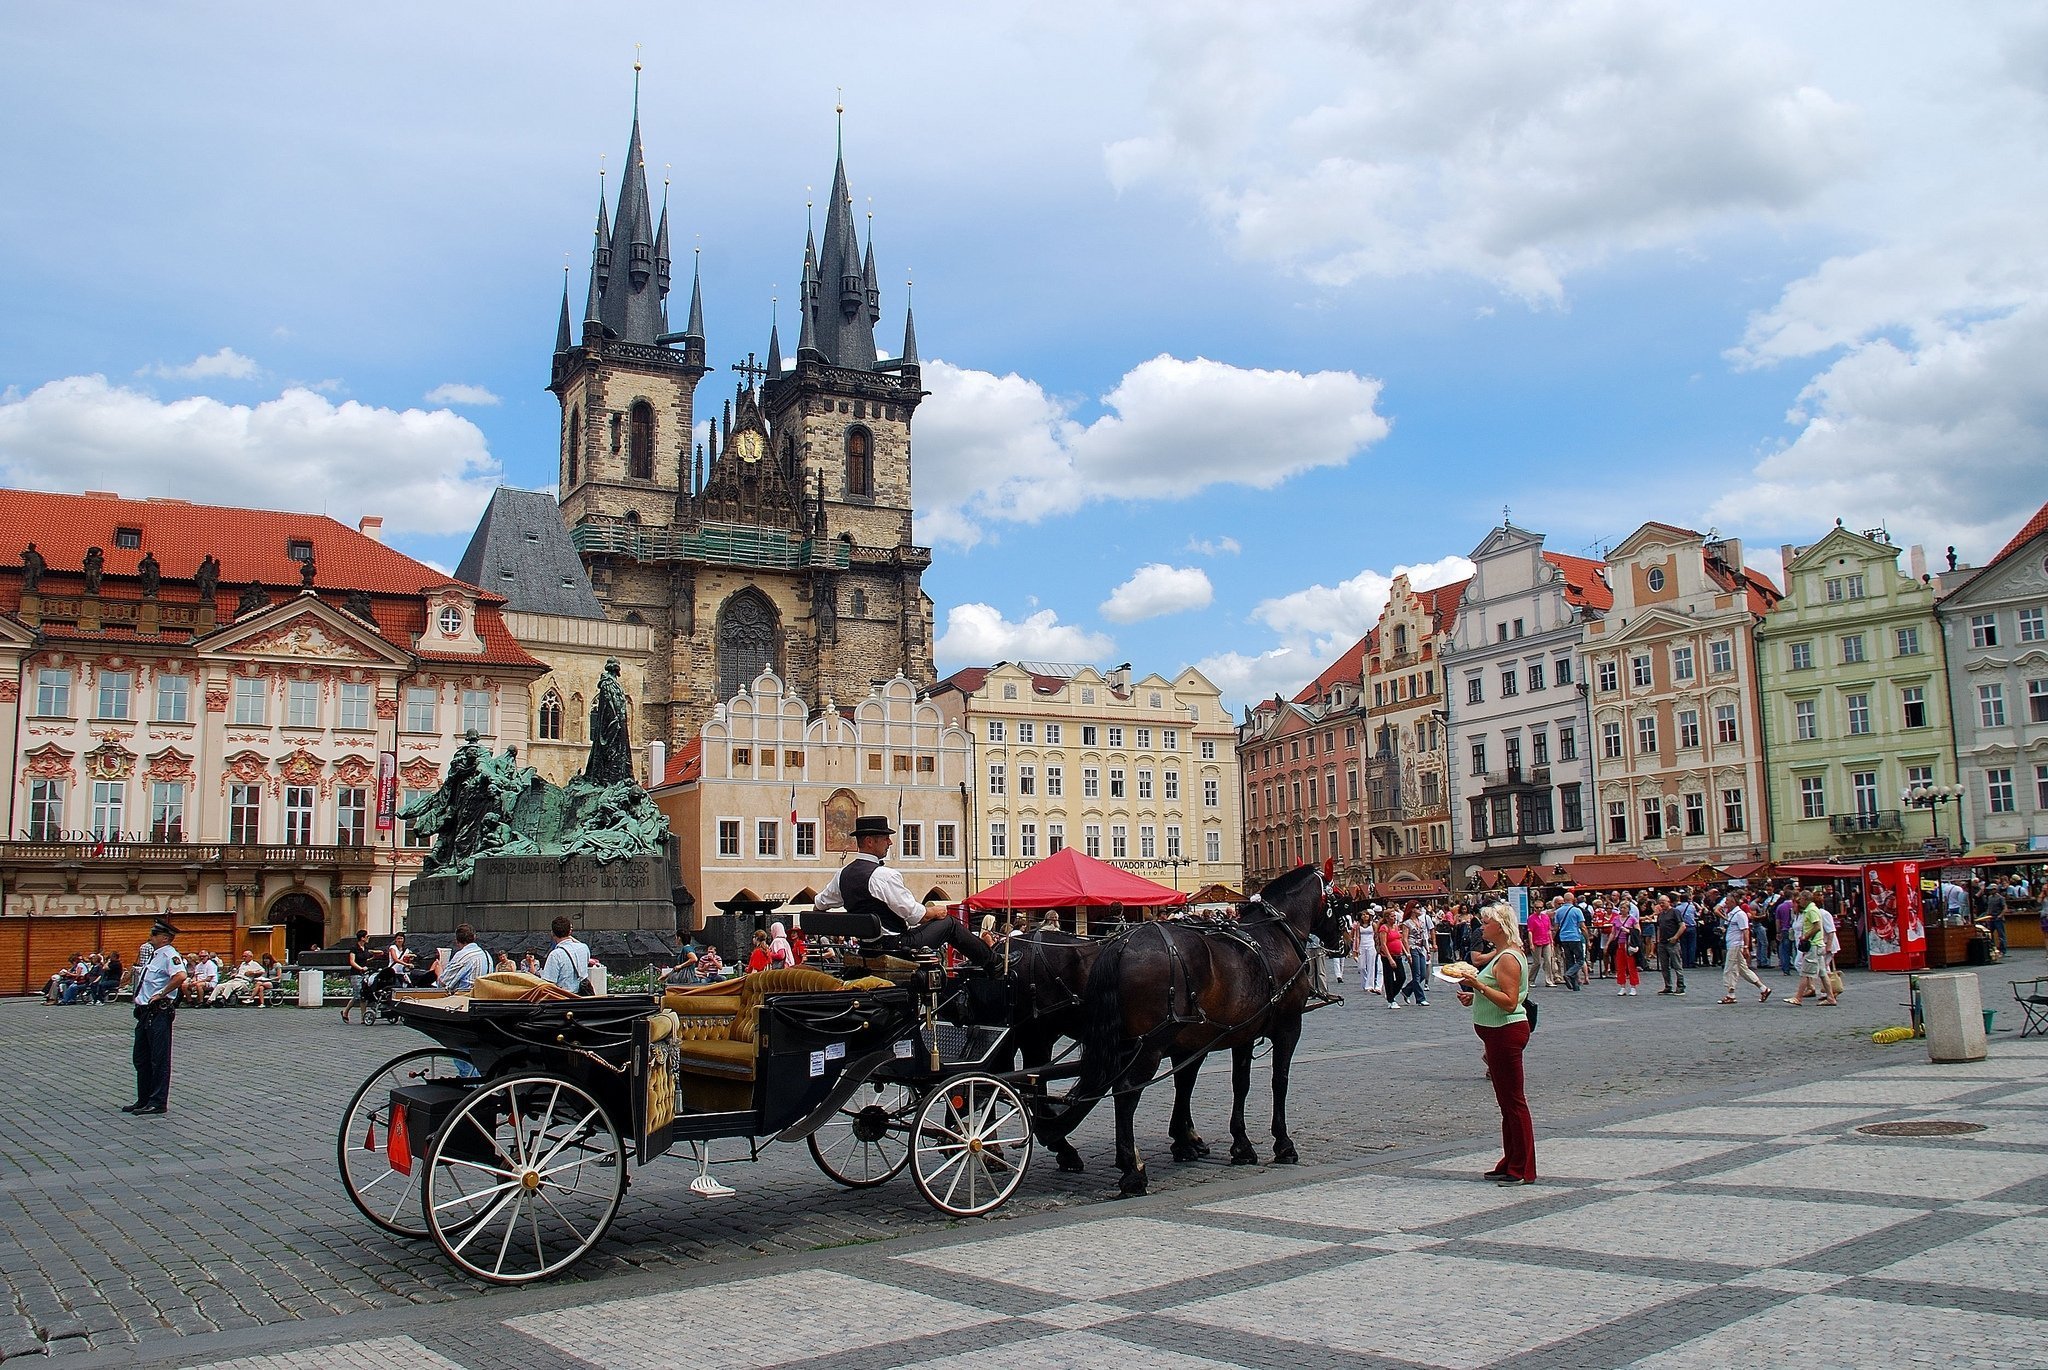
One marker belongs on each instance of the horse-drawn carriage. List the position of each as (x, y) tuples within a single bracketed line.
[(510, 1141)]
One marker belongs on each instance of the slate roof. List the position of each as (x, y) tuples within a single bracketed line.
[(521, 550)]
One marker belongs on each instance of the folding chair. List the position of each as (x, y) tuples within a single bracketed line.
[(2033, 1000)]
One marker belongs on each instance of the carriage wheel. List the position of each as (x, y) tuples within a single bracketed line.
[(388, 1197), (971, 1145), (524, 1178), (867, 1142)]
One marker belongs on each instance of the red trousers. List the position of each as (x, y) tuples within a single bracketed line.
[(1626, 976), (1503, 1050)]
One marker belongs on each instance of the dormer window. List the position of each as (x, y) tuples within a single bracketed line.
[(128, 537), (299, 549), (451, 621)]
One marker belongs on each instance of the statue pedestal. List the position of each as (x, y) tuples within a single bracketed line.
[(624, 909)]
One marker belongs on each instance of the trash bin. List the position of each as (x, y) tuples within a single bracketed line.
[(312, 988), (1953, 1007)]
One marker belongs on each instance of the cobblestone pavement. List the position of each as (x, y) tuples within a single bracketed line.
[(1703, 1181)]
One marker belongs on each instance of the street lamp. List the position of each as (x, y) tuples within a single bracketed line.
[(1932, 798), (1177, 862)]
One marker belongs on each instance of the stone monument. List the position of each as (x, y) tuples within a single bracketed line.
[(511, 851)]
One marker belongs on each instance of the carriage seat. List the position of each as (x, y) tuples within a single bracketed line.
[(717, 1031)]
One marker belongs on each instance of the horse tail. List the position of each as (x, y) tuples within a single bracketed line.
[(1102, 1021)]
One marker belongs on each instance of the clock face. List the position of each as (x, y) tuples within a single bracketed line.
[(748, 444)]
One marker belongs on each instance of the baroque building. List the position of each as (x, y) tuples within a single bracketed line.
[(1677, 747), (1855, 702), (1521, 767), (783, 543), (1300, 762), (1407, 781)]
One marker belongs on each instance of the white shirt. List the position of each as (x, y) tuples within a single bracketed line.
[(157, 972), (568, 965), (885, 884)]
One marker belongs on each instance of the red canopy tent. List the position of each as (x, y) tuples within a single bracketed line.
[(1069, 879)]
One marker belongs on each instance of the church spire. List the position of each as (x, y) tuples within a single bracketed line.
[(562, 339), (909, 335), (867, 271), (636, 278), (774, 346), (837, 306), (695, 328)]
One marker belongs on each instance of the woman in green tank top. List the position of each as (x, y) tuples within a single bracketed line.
[(1495, 996)]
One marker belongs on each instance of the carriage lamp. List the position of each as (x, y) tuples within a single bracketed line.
[(1932, 798)]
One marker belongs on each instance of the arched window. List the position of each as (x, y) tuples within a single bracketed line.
[(640, 442), (749, 639), (575, 442), (549, 728), (860, 463), (857, 603)]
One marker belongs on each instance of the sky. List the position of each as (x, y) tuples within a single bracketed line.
[(1229, 313)]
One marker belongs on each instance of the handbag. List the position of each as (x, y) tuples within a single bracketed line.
[(1805, 943), (1835, 983), (1529, 1008)]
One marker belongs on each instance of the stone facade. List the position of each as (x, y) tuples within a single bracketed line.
[(558, 703), (1301, 761), (1407, 779)]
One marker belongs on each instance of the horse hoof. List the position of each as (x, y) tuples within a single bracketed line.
[(1247, 1156), (1201, 1148), (1132, 1184), (1186, 1151), (1071, 1164), (1286, 1155)]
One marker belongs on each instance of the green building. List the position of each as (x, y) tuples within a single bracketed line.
[(1854, 700)]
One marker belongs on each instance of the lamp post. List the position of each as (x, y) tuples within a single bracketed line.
[(1932, 798), (1177, 862)]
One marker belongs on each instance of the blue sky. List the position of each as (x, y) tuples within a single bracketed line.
[(1229, 312)]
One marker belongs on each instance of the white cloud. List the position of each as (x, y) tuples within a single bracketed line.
[(1215, 547), (1335, 616), (1514, 142), (226, 364), (1156, 590), (979, 635), (999, 449), (427, 472), (1246, 679), (455, 392)]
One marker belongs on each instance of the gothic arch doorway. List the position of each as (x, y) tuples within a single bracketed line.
[(749, 641), (303, 919)]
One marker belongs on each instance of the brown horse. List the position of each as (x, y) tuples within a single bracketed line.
[(1176, 991)]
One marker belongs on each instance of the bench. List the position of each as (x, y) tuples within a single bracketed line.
[(717, 1027)]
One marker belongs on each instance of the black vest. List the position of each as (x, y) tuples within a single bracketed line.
[(853, 891)]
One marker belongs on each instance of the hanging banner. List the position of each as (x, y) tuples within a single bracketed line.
[(387, 790)]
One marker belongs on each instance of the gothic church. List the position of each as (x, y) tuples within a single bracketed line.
[(785, 542)]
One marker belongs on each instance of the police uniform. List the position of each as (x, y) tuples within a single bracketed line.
[(156, 1007), (865, 885)]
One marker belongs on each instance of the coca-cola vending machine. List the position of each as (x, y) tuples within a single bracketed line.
[(1894, 924)]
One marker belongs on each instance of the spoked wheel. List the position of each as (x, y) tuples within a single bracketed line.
[(868, 1141), (971, 1145), (524, 1178), (388, 1197)]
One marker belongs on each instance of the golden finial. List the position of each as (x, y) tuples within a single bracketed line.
[(636, 57)]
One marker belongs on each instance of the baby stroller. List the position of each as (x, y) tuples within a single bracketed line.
[(379, 993)]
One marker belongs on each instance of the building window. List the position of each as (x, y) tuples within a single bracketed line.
[(1148, 842), (1720, 657), (1027, 780), (1052, 734), (115, 688), (1726, 730), (109, 802), (1813, 799), (1646, 737), (1091, 782), (948, 841), (1909, 642), (996, 782), (640, 441), (2033, 625), (998, 731), (1983, 630), (1212, 839), (1055, 782), (1478, 819), (1918, 776), (1507, 682), (2041, 787), (1535, 675), (252, 702), (1681, 663), (729, 837), (2037, 701), (1695, 815), (1998, 791), (1991, 706), (1639, 672), (1688, 729), (1653, 819), (420, 701), (1535, 814), (1089, 732), (298, 815), (302, 704), (173, 699), (575, 442), (53, 693), (548, 727), (860, 463), (1027, 841), (1144, 783), (1173, 842), (1091, 840), (1026, 732), (1617, 821), (1212, 794), (412, 836), (1561, 670), (1145, 739), (1171, 783), (1610, 741), (1567, 742), (1479, 757), (1801, 654), (45, 810), (804, 840), (1858, 706), (1805, 720), (476, 712), (998, 841), (1731, 811), (355, 706), (1511, 746), (351, 814), (1475, 689), (1852, 648), (767, 837), (1116, 738), (1572, 807), (1119, 842), (1169, 739), (1116, 782), (1863, 792), (1208, 748)]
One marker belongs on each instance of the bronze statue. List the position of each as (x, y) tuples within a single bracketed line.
[(207, 578), (255, 599), (611, 750), (358, 603), (151, 574), (95, 567), (306, 572), (32, 568)]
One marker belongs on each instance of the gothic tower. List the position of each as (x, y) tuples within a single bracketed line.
[(785, 542)]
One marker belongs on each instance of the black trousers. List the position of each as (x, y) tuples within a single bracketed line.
[(953, 933), (153, 1056)]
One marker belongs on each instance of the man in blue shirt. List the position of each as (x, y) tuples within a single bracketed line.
[(568, 964), (158, 981), (1689, 919), (1570, 930), (466, 963)]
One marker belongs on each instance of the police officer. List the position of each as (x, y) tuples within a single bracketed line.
[(866, 885), (159, 979)]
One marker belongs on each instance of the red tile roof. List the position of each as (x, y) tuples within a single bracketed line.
[(1443, 601), (1350, 667), (2034, 527), (1584, 585), (685, 764)]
